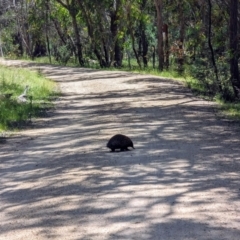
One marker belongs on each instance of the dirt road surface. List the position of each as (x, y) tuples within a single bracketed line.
[(59, 181)]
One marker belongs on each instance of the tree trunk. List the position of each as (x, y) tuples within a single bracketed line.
[(114, 31), (131, 33), (72, 9), (211, 48), (234, 71), (78, 39), (129, 60), (159, 8), (153, 56), (134, 49), (181, 38), (143, 44), (46, 29), (143, 41), (105, 43), (166, 46), (90, 27), (1, 50), (23, 31)]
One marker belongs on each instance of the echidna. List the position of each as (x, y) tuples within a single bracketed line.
[(120, 141)]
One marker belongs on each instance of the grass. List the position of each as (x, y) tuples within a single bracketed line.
[(12, 83), (231, 110)]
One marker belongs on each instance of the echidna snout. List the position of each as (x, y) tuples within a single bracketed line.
[(121, 142)]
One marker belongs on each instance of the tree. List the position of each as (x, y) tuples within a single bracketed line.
[(132, 16), (47, 26), (142, 36), (104, 27), (181, 37), (233, 39), (71, 6), (159, 9), (210, 45), (115, 18)]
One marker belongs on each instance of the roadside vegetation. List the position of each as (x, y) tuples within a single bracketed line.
[(15, 114)]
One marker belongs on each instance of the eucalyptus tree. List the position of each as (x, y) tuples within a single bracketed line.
[(30, 22), (9, 29), (159, 9), (143, 23), (73, 10), (220, 89), (62, 36), (132, 19), (47, 28), (105, 24), (92, 18), (233, 40), (3, 6)]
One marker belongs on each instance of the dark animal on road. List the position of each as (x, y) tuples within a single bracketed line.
[(121, 142)]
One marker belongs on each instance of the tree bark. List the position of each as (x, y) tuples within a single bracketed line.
[(143, 44), (131, 33), (134, 49), (114, 32), (153, 56), (47, 28), (71, 7), (159, 9), (166, 46), (78, 39), (181, 38), (90, 27), (234, 71), (211, 48), (143, 41)]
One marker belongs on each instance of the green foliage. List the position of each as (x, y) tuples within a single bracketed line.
[(12, 83), (206, 84), (63, 55), (231, 110)]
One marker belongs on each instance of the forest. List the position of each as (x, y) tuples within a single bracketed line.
[(192, 37)]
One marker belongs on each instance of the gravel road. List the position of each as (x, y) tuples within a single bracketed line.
[(182, 181)]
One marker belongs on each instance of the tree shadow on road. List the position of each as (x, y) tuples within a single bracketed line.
[(181, 182)]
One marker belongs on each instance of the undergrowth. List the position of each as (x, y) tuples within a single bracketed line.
[(230, 109)]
